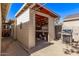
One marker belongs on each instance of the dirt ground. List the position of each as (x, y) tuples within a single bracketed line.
[(11, 48), (56, 48)]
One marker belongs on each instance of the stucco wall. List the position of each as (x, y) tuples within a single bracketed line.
[(74, 25)]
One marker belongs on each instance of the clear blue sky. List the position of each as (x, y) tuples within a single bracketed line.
[(62, 9), (14, 7)]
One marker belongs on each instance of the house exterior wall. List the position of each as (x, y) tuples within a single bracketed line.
[(74, 25), (0, 28), (26, 35)]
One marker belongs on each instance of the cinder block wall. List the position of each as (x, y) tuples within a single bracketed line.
[(26, 35), (31, 40), (51, 29), (22, 31)]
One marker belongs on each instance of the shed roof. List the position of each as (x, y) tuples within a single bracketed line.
[(33, 5), (72, 17)]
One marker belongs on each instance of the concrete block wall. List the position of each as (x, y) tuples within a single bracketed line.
[(31, 40), (51, 31), (26, 35), (23, 33), (51, 27)]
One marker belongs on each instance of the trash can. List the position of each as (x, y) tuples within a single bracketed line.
[(67, 38)]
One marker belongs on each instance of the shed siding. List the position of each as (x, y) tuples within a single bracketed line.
[(22, 33), (26, 35)]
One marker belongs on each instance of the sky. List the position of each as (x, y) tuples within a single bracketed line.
[(14, 7), (62, 9)]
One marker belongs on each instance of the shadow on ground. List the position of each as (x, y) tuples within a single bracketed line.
[(40, 45), (10, 47)]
